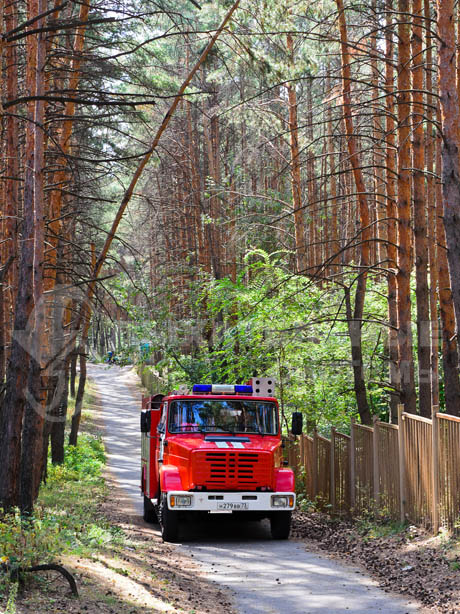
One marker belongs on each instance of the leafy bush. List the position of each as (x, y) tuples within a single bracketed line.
[(27, 541)]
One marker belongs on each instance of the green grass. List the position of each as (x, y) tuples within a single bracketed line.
[(371, 526)]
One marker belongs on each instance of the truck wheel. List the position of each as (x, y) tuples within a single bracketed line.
[(150, 514), (280, 524), (169, 522)]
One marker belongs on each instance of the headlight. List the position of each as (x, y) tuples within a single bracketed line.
[(180, 501), (282, 501)]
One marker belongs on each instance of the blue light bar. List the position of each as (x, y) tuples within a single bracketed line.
[(243, 389), (202, 388), (222, 389)]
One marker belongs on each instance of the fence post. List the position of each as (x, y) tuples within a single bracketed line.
[(315, 463), (435, 466), (352, 464), (402, 464), (376, 466), (332, 497)]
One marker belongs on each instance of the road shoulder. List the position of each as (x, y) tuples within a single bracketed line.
[(408, 562)]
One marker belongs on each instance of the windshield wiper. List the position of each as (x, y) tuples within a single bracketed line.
[(220, 429)]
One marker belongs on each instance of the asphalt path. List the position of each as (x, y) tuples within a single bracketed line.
[(265, 576)]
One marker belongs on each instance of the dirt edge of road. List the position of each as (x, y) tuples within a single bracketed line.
[(410, 562)]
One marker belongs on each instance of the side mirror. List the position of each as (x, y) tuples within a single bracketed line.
[(146, 421), (297, 423)]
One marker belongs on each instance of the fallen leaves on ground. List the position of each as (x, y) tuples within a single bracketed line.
[(409, 561)]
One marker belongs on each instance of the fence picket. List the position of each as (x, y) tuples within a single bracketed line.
[(435, 469), (375, 460), (332, 460), (352, 466)]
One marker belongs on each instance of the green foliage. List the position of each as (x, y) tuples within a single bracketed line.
[(84, 461), (290, 328), (66, 519), (11, 603), (27, 541), (269, 322)]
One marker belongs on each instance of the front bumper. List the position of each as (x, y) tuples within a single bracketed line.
[(205, 501)]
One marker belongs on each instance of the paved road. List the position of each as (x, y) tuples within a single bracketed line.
[(266, 576)]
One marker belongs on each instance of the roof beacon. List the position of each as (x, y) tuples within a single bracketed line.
[(222, 389)]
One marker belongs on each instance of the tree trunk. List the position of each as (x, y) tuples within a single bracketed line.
[(73, 373), (58, 426), (355, 319), (450, 357), (420, 224), (34, 414), (431, 197), (17, 379), (299, 223), (76, 418), (406, 361), (450, 121), (391, 214)]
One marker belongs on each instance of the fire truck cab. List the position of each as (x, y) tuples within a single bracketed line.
[(217, 449)]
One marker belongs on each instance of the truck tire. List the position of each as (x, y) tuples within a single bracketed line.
[(150, 514), (169, 522), (280, 524)]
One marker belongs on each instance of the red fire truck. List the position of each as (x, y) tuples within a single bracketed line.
[(217, 449)]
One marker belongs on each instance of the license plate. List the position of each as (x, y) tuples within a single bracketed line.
[(232, 506)]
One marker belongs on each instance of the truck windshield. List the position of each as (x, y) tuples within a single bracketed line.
[(223, 415)]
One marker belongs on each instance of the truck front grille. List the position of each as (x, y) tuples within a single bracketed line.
[(234, 470)]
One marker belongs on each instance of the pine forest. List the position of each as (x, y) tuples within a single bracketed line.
[(217, 190)]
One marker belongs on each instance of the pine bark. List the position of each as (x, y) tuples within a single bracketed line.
[(406, 361), (450, 356), (420, 222), (17, 387), (450, 121), (355, 318), (431, 202), (296, 187), (34, 414), (76, 418), (391, 214)]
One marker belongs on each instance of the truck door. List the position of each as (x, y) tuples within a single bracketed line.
[(150, 419), (161, 434)]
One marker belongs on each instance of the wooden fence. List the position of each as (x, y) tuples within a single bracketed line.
[(408, 472)]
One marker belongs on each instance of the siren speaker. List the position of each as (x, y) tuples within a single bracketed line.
[(263, 386)]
